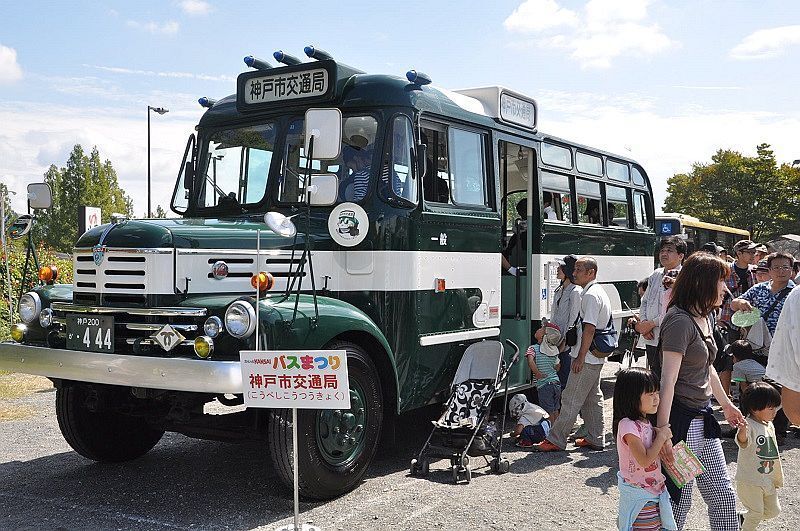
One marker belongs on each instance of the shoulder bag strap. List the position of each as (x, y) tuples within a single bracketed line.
[(784, 292)]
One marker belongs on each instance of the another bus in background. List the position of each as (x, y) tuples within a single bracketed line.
[(696, 232)]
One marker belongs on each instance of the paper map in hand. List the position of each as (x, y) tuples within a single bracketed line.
[(686, 466)]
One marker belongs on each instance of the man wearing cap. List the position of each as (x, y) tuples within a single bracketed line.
[(762, 272), (671, 251), (761, 252)]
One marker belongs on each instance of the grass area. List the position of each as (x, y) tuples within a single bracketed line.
[(15, 412), (14, 385)]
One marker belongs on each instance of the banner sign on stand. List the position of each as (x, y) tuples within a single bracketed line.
[(303, 379)]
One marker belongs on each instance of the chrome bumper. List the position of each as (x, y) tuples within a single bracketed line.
[(175, 374)]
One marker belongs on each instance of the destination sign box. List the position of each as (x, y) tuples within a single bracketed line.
[(517, 111), (309, 82)]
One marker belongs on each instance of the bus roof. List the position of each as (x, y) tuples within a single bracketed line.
[(691, 221)]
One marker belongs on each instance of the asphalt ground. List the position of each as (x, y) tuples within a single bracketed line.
[(191, 484)]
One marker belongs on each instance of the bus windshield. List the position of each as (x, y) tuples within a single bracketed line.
[(237, 166)]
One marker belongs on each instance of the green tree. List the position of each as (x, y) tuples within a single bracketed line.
[(160, 212), (85, 180), (752, 193)]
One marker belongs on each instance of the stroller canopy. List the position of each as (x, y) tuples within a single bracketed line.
[(481, 361)]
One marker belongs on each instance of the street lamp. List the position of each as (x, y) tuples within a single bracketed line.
[(159, 110)]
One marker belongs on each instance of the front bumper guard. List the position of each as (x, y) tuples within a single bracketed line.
[(174, 374)]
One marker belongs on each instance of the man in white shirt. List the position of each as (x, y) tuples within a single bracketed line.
[(670, 254), (582, 394), (783, 364), (547, 201)]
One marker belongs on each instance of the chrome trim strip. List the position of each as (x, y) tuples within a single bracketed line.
[(148, 341), (237, 252), (162, 312), (155, 327), (455, 337), (176, 374), (131, 250)]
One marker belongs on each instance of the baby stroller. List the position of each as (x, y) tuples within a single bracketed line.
[(460, 432)]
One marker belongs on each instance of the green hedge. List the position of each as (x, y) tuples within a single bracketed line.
[(16, 265)]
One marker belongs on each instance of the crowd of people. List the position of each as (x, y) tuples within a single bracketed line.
[(713, 329)]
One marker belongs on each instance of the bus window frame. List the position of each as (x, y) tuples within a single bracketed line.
[(610, 161), (569, 149), (579, 152), (600, 197), (390, 196), (628, 204), (442, 126), (570, 192), (649, 215)]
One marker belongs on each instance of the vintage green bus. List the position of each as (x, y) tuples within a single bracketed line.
[(405, 258)]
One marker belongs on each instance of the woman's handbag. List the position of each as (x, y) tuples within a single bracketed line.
[(571, 337)]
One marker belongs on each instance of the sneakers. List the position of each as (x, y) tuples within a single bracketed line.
[(583, 443), (524, 443), (546, 446)]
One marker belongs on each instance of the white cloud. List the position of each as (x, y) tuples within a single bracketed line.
[(766, 43), (664, 143), (34, 136), (189, 75), (604, 31), (537, 15), (195, 7), (166, 28), (10, 70)]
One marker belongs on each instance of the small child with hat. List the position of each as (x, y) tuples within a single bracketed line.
[(543, 362), (532, 422)]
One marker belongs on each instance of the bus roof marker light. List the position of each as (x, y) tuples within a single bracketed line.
[(285, 58), (316, 53), (206, 102), (418, 78), (255, 62)]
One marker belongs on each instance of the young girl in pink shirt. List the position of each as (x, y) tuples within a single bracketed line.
[(643, 499)]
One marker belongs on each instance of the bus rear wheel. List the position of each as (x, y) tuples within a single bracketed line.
[(335, 447), (104, 434)]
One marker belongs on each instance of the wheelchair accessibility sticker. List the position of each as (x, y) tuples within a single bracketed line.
[(348, 224)]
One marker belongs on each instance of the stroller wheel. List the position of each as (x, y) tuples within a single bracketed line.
[(465, 462), (504, 466), (468, 474), (494, 466), (455, 473)]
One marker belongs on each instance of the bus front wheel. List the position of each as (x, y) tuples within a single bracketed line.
[(335, 447)]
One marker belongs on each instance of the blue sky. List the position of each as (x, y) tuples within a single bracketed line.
[(665, 82)]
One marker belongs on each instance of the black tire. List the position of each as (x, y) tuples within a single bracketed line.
[(106, 436), (318, 478)]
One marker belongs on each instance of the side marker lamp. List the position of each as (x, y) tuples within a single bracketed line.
[(48, 274), (418, 78), (206, 102), (263, 281), (18, 332), (441, 285), (203, 347), (316, 53), (255, 62)]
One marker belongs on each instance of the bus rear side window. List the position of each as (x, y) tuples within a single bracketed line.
[(640, 210), (589, 164), (617, 171), (588, 193), (638, 178), (617, 201)]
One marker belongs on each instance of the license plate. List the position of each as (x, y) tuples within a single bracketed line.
[(94, 333)]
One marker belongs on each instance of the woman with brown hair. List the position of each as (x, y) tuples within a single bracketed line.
[(688, 379)]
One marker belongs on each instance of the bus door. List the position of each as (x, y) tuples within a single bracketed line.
[(520, 199), (459, 252)]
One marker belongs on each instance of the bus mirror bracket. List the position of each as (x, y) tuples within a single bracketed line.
[(325, 125), (422, 156)]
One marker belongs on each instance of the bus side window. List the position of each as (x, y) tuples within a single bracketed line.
[(467, 170), (401, 172), (640, 210), (557, 187), (617, 202), (588, 193), (436, 186)]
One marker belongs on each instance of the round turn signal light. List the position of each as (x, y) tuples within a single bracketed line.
[(263, 281), (48, 273)]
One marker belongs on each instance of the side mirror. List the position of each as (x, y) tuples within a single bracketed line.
[(325, 125), (422, 156), (40, 196), (324, 189)]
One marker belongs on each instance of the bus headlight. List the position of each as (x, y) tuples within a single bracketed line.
[(203, 346), (29, 307), (240, 319), (46, 318), (213, 326), (18, 332)]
